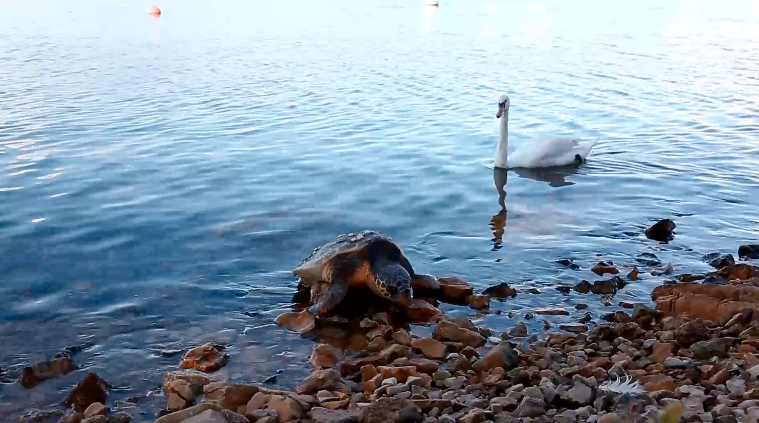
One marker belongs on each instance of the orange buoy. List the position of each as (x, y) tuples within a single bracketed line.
[(154, 10)]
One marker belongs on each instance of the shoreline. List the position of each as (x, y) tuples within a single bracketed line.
[(694, 354)]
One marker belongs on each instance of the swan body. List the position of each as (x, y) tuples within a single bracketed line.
[(547, 153)]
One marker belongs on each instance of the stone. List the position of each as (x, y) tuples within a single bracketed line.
[(422, 312), (519, 330), (473, 416), (662, 231), (176, 402), (675, 362), (396, 389), (232, 417), (455, 382), (188, 413), (90, 390), (324, 415), (736, 386), (500, 291), (424, 365), (324, 355), (257, 402), (666, 270), (208, 416), (205, 358), (502, 355), (195, 379), (455, 289), (95, 409), (402, 337), (748, 252), (704, 350), (451, 332), (551, 311), (401, 374), (548, 389), (391, 409), (567, 416), (661, 351), (318, 380), (31, 376), (657, 382), (287, 408), (373, 383), (633, 275), (301, 322), (602, 268), (478, 302), (96, 419), (431, 348), (534, 392), (229, 395), (580, 394), (530, 407), (720, 377)]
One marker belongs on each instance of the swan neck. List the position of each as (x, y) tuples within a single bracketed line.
[(504, 139)]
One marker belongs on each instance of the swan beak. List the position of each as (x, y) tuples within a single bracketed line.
[(500, 112)]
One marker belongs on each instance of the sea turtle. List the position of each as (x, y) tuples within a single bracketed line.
[(369, 259)]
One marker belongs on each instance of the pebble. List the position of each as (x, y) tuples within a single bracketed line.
[(736, 386), (397, 389)]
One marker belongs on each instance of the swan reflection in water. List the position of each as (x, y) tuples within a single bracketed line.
[(554, 176)]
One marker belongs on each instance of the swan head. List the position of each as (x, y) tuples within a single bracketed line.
[(503, 105)]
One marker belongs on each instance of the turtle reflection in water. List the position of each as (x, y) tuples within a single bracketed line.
[(367, 259)]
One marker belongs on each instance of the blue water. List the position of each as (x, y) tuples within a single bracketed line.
[(160, 177)]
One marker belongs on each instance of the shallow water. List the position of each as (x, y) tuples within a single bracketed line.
[(160, 177)]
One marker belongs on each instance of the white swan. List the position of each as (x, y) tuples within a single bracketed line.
[(548, 153)]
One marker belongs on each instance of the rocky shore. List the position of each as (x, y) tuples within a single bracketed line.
[(694, 357)]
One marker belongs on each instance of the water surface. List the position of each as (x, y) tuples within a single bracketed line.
[(160, 177)]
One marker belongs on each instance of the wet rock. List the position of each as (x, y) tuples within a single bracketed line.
[(519, 330), (718, 260), (530, 407), (551, 311), (324, 415), (424, 366), (633, 275), (33, 375), (402, 337), (189, 413), (287, 408), (71, 416), (602, 268), (326, 379), (391, 410), (34, 415), (95, 409), (666, 270), (431, 348), (205, 358), (739, 272), (607, 287), (422, 312), (302, 322), (574, 327), (564, 289), (323, 355), (228, 395), (95, 419), (662, 231), (705, 301), (748, 252), (478, 302), (207, 416), (195, 379), (90, 390), (257, 402), (455, 289), (500, 291), (583, 287), (502, 355), (180, 395), (449, 331)]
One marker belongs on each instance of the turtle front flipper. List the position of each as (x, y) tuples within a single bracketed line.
[(419, 281)]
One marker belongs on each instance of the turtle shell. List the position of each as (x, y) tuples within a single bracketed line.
[(310, 270)]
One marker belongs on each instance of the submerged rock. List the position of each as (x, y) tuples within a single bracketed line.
[(602, 268), (748, 252), (662, 231), (40, 372), (500, 291), (718, 260)]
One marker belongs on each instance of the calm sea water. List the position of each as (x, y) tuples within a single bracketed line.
[(160, 177)]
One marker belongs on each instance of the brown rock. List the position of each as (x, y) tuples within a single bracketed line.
[(287, 408), (583, 287), (654, 383), (402, 337), (188, 413), (502, 355), (602, 268), (393, 409), (206, 358), (741, 271), (372, 383), (609, 418), (34, 375), (367, 372), (455, 289), (422, 312), (95, 409), (229, 395), (323, 355), (257, 402), (301, 322), (431, 348), (692, 332), (551, 311), (195, 379), (705, 301), (401, 374), (384, 331), (175, 402), (555, 338), (449, 331), (500, 291), (478, 302), (353, 365), (90, 390), (320, 379), (324, 415), (720, 377), (424, 366), (394, 352), (661, 351), (633, 275)]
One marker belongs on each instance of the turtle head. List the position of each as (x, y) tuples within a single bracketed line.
[(392, 282)]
